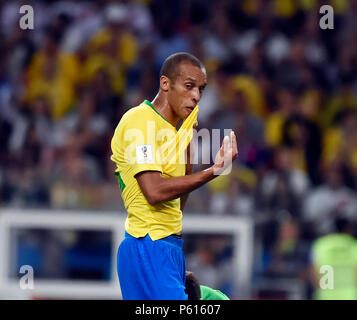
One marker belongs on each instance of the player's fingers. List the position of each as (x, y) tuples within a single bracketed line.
[(195, 124), (234, 143), (226, 144), (223, 148)]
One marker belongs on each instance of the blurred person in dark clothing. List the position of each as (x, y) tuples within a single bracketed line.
[(106, 101), (286, 258), (287, 106), (219, 92), (210, 262), (6, 129), (284, 186), (25, 176), (329, 200), (233, 194), (219, 40), (202, 263), (304, 137), (309, 108), (295, 70), (21, 46), (240, 118), (340, 142), (344, 99)]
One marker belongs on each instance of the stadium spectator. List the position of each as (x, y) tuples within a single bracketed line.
[(287, 106), (328, 201), (284, 187), (286, 258), (53, 74), (334, 263)]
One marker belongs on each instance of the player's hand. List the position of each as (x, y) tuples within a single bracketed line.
[(225, 155)]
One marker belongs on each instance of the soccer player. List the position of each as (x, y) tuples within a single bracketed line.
[(195, 291), (150, 260)]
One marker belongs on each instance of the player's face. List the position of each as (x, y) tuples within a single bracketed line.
[(187, 89)]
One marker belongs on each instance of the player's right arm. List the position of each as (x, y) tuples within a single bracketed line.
[(158, 189)]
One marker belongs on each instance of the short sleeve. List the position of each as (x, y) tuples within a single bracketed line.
[(133, 150), (146, 159)]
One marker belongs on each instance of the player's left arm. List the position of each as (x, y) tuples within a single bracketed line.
[(189, 169)]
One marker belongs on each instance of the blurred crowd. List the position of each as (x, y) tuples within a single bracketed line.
[(287, 88)]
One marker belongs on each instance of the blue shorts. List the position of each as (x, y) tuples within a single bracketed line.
[(151, 270)]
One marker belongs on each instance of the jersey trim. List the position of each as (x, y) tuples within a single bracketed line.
[(152, 107), (120, 181)]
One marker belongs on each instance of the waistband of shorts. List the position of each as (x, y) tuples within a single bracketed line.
[(170, 239)]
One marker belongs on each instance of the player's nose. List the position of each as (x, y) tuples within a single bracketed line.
[(196, 96)]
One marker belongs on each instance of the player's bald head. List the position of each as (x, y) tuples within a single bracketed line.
[(171, 66)]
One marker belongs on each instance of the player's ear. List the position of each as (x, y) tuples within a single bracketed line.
[(164, 83)]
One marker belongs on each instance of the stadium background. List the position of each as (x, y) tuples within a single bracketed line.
[(287, 87)]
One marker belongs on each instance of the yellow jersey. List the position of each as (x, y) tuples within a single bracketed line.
[(143, 141)]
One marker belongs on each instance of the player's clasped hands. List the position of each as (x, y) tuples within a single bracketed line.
[(226, 154)]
